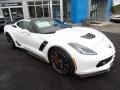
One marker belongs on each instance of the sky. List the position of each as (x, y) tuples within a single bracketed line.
[(116, 2)]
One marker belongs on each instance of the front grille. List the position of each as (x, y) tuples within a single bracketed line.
[(103, 62)]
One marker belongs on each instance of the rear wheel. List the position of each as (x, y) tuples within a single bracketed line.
[(61, 61), (10, 41)]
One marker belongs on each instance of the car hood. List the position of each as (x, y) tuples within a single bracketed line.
[(84, 36)]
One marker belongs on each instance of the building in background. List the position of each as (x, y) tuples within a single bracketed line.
[(75, 11)]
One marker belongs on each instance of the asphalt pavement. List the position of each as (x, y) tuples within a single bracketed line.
[(111, 27), (21, 71)]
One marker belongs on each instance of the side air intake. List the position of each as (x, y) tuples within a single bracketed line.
[(43, 45)]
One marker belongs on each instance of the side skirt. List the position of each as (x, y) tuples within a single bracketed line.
[(36, 56), (32, 54)]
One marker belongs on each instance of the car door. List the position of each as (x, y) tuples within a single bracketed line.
[(18, 30), (28, 38)]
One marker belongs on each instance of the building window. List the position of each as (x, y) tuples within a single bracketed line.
[(12, 11), (45, 2), (17, 14), (30, 3), (38, 2), (11, 4), (56, 11), (32, 11), (38, 9), (56, 2), (6, 14), (46, 11), (94, 10)]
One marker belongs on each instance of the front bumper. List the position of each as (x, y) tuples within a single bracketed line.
[(96, 73), (96, 70)]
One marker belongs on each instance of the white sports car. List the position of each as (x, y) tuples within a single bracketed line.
[(79, 50)]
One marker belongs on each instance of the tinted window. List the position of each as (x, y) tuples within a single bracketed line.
[(25, 25), (20, 24), (28, 26), (47, 26)]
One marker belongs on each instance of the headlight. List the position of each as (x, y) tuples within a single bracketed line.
[(82, 49)]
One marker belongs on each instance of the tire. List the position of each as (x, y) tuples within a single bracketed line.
[(61, 61), (10, 41)]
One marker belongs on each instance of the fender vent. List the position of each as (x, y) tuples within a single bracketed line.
[(43, 45), (88, 36)]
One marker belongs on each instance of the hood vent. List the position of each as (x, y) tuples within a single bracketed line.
[(88, 36)]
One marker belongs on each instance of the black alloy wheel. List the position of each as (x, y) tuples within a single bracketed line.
[(61, 61), (10, 41)]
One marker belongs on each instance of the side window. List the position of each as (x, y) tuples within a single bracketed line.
[(25, 25), (28, 26), (21, 24)]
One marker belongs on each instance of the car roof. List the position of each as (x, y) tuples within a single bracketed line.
[(41, 18), (34, 19)]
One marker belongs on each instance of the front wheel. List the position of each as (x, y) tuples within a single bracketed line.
[(61, 61), (10, 41)]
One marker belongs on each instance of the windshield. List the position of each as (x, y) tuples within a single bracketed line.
[(47, 26)]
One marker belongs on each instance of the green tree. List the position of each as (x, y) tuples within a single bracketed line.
[(112, 8)]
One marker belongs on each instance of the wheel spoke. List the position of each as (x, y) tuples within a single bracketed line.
[(59, 62), (10, 41)]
